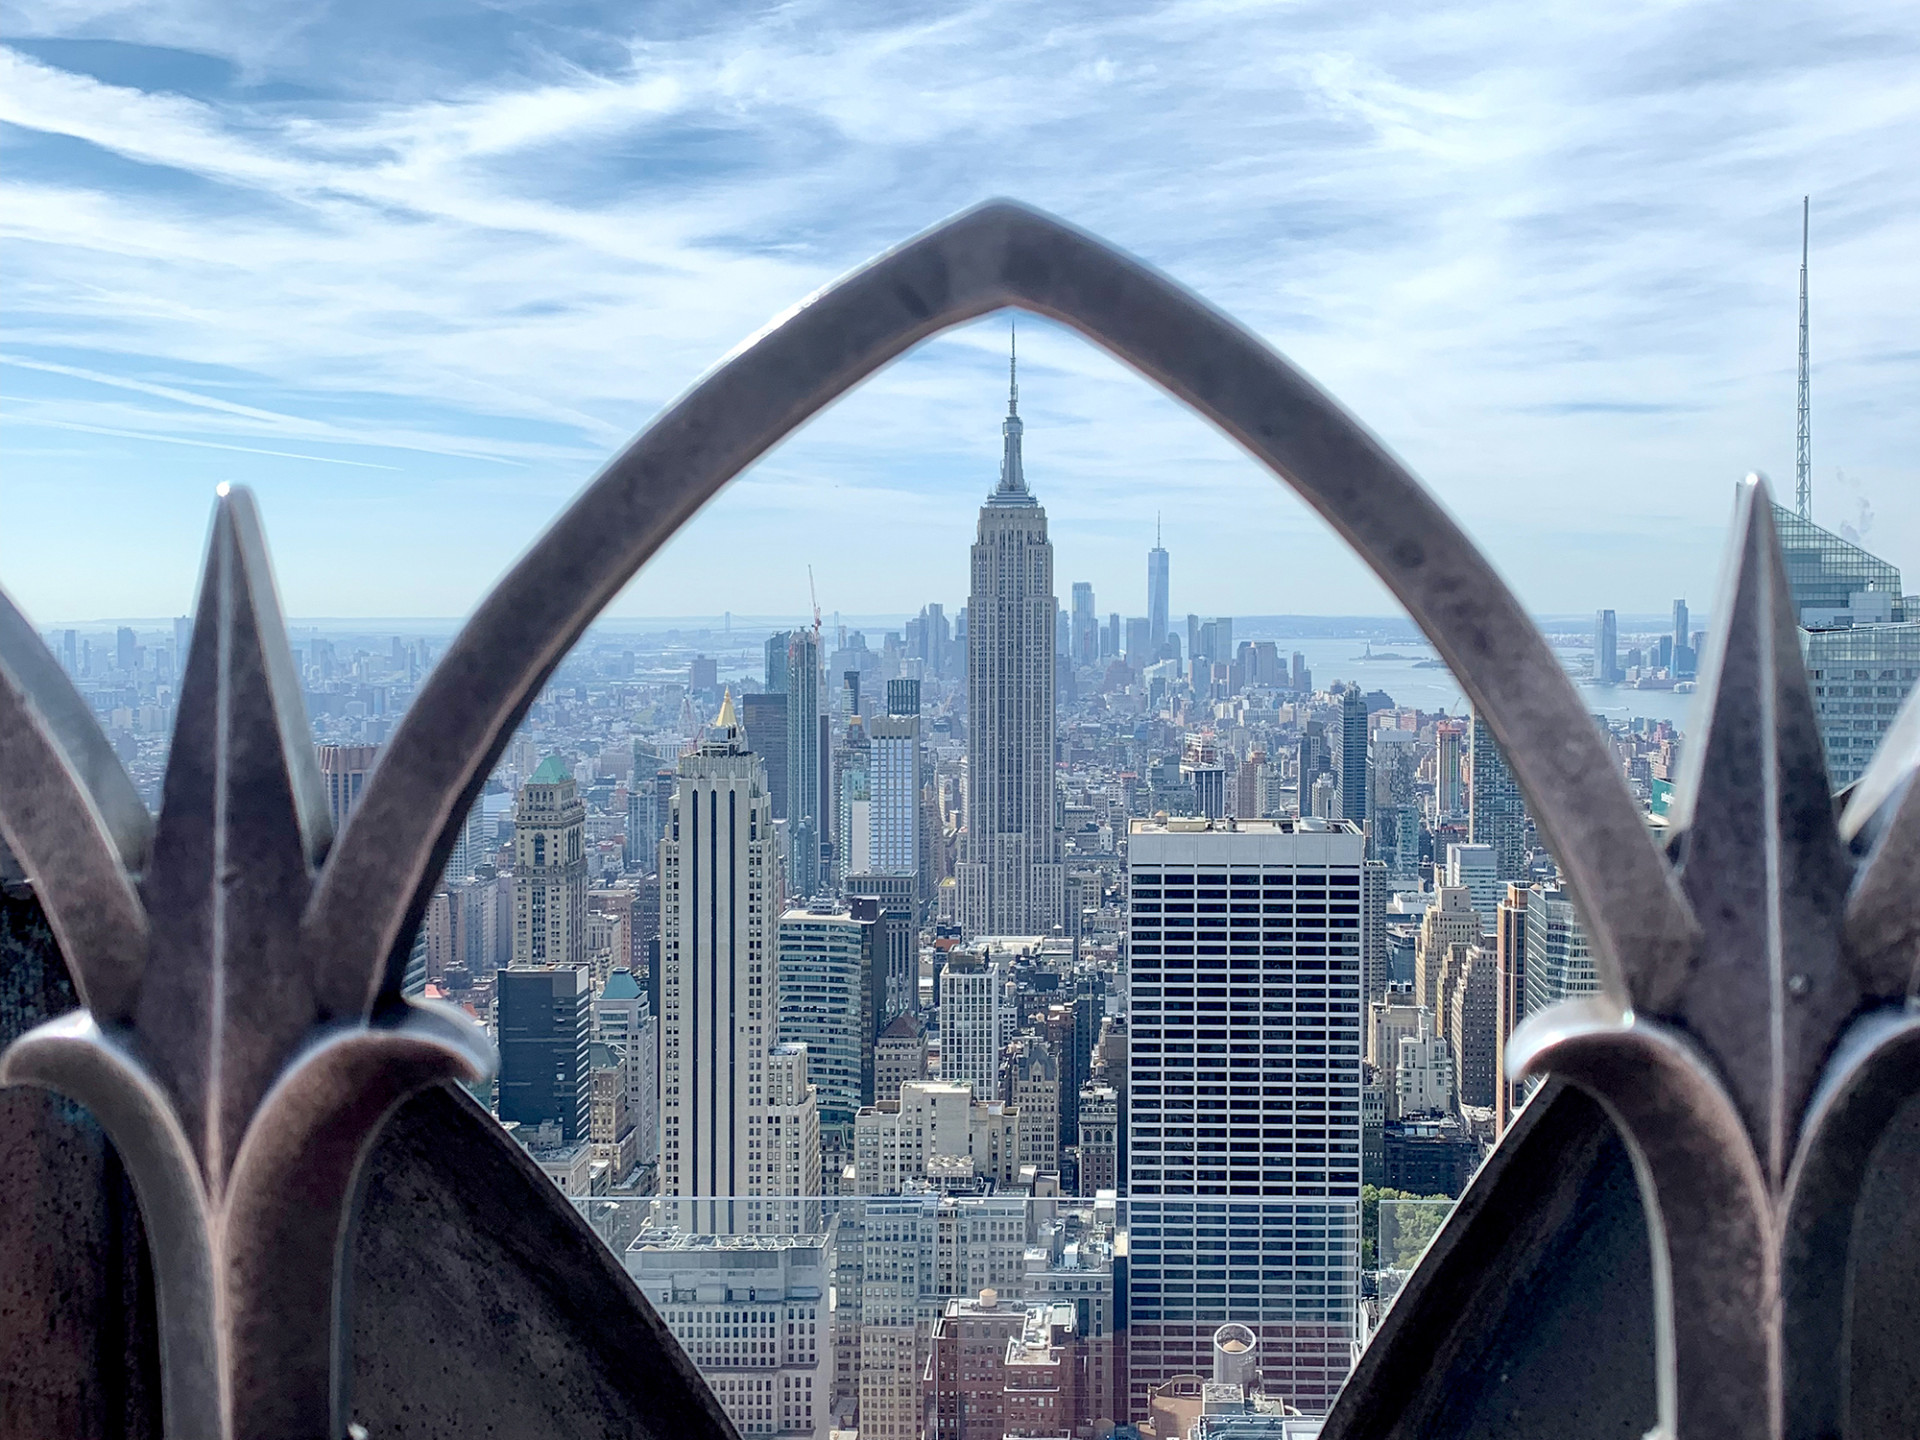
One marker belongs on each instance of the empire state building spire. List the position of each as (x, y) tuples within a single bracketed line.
[(1012, 879), (1012, 489)]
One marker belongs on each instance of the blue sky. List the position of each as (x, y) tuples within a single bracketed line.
[(414, 270)]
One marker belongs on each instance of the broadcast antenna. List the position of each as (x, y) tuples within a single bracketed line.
[(1805, 456)]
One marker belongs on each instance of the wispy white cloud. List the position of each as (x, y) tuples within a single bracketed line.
[(1545, 252)]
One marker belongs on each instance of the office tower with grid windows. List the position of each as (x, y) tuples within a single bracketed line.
[(827, 1002), (1558, 965), (804, 789), (1449, 785), (1352, 755), (764, 717), (971, 1022), (1394, 810), (721, 896), (549, 869), (1243, 1162), (545, 1019), (1011, 879), (1496, 813), (1860, 635), (896, 777)]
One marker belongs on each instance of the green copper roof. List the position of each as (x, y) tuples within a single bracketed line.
[(551, 772), (621, 986)]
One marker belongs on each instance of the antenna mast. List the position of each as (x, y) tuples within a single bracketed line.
[(1805, 456)]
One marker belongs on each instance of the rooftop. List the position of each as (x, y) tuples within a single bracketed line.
[(1200, 825)]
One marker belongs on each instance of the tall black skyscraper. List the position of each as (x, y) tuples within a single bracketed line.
[(546, 1022), (764, 718), (1353, 755), (804, 761)]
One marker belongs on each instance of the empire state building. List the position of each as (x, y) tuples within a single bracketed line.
[(1011, 878)]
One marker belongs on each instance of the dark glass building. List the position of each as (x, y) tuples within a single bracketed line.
[(546, 1021)]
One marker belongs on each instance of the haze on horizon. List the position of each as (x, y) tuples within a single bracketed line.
[(415, 281)]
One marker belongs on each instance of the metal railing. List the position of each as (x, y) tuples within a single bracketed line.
[(267, 1096)]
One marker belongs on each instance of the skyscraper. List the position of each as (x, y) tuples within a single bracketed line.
[(776, 678), (1158, 615), (1449, 792), (549, 869), (853, 803), (1510, 950), (1606, 648), (1011, 881), (803, 761), (1496, 813), (903, 697), (1557, 965), (764, 717), (344, 770), (827, 1003), (721, 894), (1086, 625), (622, 1018), (1311, 764), (546, 1024), (1353, 755), (970, 1023), (1394, 809), (1862, 642), (1242, 1021), (895, 780)]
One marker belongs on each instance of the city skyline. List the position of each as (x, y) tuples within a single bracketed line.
[(394, 285)]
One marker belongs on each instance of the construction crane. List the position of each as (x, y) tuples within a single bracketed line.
[(815, 596)]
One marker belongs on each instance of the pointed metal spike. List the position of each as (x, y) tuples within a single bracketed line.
[(1760, 856), (72, 818), (227, 995), (1882, 820)]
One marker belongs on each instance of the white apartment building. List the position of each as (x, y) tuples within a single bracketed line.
[(895, 782), (972, 1022), (792, 1144), (1476, 869), (753, 1313), (1423, 1072), (721, 894), (1244, 1125)]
